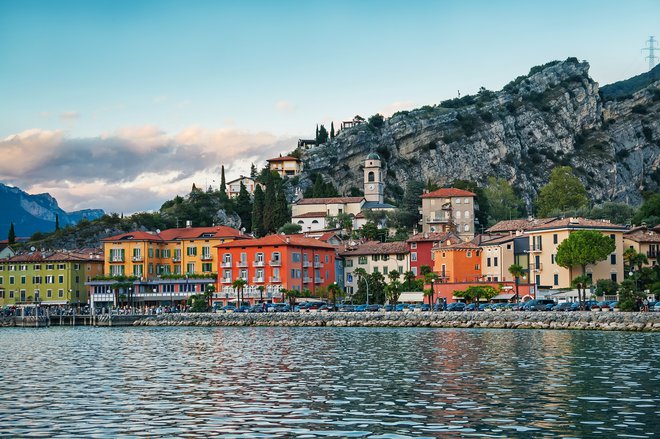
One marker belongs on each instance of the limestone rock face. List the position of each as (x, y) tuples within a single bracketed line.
[(554, 116)]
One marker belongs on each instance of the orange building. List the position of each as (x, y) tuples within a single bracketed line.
[(274, 262), (459, 262)]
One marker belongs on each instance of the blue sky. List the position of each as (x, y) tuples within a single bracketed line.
[(238, 81)]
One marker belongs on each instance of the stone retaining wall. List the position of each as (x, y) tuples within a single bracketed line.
[(609, 321)]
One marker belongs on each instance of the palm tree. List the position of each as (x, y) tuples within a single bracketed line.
[(517, 271), (334, 290), (291, 295), (239, 284), (261, 293), (409, 278), (581, 282), (628, 256)]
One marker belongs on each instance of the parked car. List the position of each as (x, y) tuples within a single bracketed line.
[(372, 308), (360, 308), (388, 308), (230, 308), (425, 307), (401, 307), (471, 307), (656, 307), (566, 306), (539, 304), (484, 306), (456, 306)]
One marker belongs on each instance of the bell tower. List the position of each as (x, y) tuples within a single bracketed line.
[(373, 179)]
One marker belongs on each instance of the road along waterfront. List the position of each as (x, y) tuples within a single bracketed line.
[(320, 382)]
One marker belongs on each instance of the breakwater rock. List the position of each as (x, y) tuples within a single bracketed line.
[(608, 321)]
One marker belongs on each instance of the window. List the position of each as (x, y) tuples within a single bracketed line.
[(227, 276), (458, 201), (191, 251), (60, 293), (37, 266), (476, 266), (61, 266), (466, 228), (555, 240), (612, 236), (375, 257), (151, 268), (556, 280), (259, 257), (375, 269), (385, 257), (151, 252), (295, 257), (613, 259), (23, 280), (400, 257), (371, 176), (487, 262), (138, 270), (457, 214), (508, 246), (552, 258), (468, 254), (414, 270), (275, 256), (76, 266), (384, 270), (11, 280), (413, 245), (206, 252), (177, 254), (537, 261), (226, 258), (349, 263), (466, 201), (36, 279), (190, 268), (206, 267), (49, 293), (413, 256), (613, 277), (466, 214), (495, 262), (243, 275), (362, 260)]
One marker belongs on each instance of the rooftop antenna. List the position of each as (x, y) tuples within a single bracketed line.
[(652, 45)]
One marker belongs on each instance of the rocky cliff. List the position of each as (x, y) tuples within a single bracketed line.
[(555, 115), (32, 213)]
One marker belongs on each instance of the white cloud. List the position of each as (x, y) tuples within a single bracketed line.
[(69, 116), (285, 106), (134, 168)]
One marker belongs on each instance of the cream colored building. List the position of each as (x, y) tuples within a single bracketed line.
[(449, 209), (496, 257), (286, 166), (644, 240), (381, 257), (234, 187), (544, 240)]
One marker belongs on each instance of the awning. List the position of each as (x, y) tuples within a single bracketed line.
[(415, 296), (503, 296), (54, 302)]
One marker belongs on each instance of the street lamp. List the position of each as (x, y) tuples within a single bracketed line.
[(130, 301), (367, 283), (432, 294)]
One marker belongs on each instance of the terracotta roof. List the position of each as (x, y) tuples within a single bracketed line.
[(577, 223), (180, 233), (326, 236), (447, 192), (642, 234), (517, 224), (242, 177), (61, 256), (496, 240), (458, 246), (293, 240), (286, 158), (376, 248), (311, 215), (329, 200), (433, 236)]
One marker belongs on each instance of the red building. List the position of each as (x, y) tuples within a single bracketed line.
[(274, 262), (420, 246)]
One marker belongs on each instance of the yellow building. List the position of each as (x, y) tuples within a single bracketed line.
[(48, 278), (286, 166), (644, 240), (544, 240)]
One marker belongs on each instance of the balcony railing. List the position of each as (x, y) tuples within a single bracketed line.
[(318, 280), (536, 267), (258, 264), (117, 259), (307, 280), (306, 264), (436, 220), (226, 280), (275, 263), (207, 257), (318, 264), (258, 280), (275, 279), (138, 258), (242, 263), (176, 258), (226, 264)]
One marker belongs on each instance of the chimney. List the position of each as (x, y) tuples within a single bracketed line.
[(426, 235), (188, 224), (288, 240)]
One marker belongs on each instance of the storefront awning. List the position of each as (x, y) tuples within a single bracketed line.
[(414, 296), (503, 296)]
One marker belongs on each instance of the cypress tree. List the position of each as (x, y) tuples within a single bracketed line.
[(11, 237), (57, 221), (317, 134), (253, 171), (323, 135), (332, 130), (282, 209), (269, 207), (223, 186), (244, 208), (258, 211)]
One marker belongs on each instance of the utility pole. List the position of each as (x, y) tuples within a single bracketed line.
[(652, 45)]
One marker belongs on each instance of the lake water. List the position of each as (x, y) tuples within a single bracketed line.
[(320, 382)]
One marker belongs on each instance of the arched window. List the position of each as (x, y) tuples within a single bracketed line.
[(315, 222), (467, 214), (371, 176), (457, 214), (301, 222), (466, 228)]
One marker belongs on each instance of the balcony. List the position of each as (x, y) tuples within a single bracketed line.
[(226, 280), (652, 254), (318, 280), (275, 263), (536, 267), (226, 264), (242, 263), (275, 279), (117, 259), (206, 257), (307, 280), (258, 263), (176, 258), (138, 258), (306, 264), (257, 280), (318, 264), (436, 220)]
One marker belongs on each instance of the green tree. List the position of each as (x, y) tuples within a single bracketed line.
[(269, 215), (261, 289), (291, 296), (581, 283), (628, 294), (11, 236), (334, 291), (223, 182), (517, 271), (606, 287), (290, 229), (475, 293), (57, 222), (411, 202), (617, 213), (258, 212), (649, 212), (583, 248), (322, 136), (282, 214), (376, 121), (239, 286), (244, 207), (564, 191), (332, 130), (503, 203), (253, 171)]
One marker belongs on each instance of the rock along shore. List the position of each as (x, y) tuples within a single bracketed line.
[(606, 321)]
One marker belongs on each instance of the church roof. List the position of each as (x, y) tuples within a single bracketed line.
[(373, 156), (329, 200), (376, 205)]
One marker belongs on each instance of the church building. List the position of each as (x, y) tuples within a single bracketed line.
[(312, 213)]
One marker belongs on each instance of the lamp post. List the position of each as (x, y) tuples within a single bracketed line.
[(366, 283), (130, 299)]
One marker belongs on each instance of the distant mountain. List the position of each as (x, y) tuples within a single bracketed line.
[(35, 213), (626, 88)]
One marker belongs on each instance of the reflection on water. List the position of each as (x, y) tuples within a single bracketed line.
[(319, 382)]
